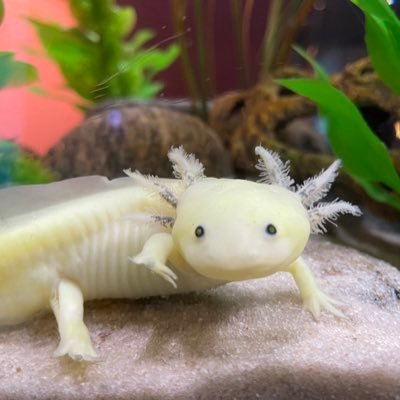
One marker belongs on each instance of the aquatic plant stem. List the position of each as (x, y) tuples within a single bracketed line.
[(271, 36), (247, 14), (202, 58), (178, 8), (236, 14), (210, 35), (283, 52)]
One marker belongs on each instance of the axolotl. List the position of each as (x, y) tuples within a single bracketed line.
[(92, 238)]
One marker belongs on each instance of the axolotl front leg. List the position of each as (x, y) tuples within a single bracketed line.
[(155, 254), (314, 300)]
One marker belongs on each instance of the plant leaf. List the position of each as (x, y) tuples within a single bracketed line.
[(378, 8), (364, 156), (94, 59), (17, 167), (319, 71), (22, 73), (382, 36), (74, 54), (6, 60), (27, 170), (15, 73), (124, 20), (138, 40), (149, 89), (155, 60)]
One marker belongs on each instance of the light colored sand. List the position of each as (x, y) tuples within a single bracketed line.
[(245, 340)]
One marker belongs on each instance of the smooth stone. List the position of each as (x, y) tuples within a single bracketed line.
[(246, 340)]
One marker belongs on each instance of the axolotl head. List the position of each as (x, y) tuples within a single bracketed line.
[(231, 229), (235, 230)]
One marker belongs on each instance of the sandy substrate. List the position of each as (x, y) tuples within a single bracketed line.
[(245, 340)]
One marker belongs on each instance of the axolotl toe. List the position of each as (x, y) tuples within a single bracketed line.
[(91, 238)]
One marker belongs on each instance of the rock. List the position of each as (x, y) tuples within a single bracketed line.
[(183, 105), (245, 340), (136, 137)]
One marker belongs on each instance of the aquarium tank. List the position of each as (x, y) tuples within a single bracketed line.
[(95, 91)]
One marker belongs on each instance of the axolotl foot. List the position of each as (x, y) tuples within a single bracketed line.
[(319, 301), (157, 267), (77, 344), (154, 256), (314, 300), (67, 305)]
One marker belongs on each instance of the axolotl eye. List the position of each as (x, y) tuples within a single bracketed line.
[(199, 231), (270, 229)]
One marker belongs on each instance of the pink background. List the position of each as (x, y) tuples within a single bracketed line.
[(39, 121), (35, 121)]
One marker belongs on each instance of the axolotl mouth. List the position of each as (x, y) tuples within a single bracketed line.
[(250, 265)]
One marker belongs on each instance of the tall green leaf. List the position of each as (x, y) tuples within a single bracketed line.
[(364, 156), (382, 36)]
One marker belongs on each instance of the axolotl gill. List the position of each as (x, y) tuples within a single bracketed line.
[(92, 238)]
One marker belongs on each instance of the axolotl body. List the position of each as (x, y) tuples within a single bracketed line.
[(91, 238)]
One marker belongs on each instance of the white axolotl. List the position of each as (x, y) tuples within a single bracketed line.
[(91, 238)]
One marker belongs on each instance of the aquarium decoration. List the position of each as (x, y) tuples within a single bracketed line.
[(97, 59)]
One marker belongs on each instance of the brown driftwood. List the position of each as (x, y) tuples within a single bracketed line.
[(246, 119), (361, 83)]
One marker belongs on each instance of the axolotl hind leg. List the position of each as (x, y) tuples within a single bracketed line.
[(67, 305), (314, 300)]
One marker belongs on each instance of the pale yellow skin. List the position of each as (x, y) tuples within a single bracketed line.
[(86, 243)]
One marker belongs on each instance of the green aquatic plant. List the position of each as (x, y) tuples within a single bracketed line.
[(14, 72), (97, 60), (282, 27), (364, 156), (382, 37), (17, 167), (283, 22)]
